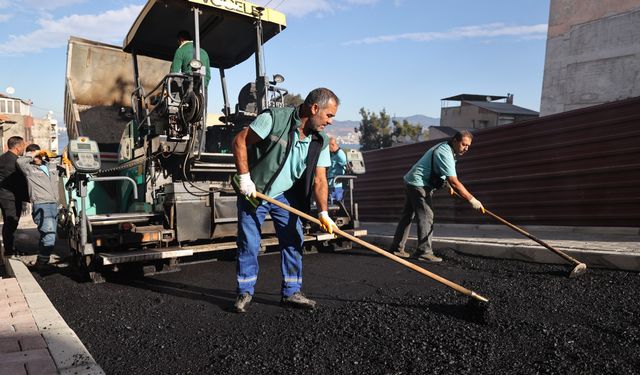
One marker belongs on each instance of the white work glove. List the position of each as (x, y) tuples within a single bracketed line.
[(247, 187), (476, 204), (326, 222)]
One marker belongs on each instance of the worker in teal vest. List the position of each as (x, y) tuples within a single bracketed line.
[(284, 154)]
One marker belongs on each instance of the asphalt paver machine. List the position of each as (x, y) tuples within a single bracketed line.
[(163, 188)]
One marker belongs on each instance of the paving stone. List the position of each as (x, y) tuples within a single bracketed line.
[(32, 342), (9, 345), (20, 313), (22, 319), (26, 327), (24, 356), (42, 367), (13, 369)]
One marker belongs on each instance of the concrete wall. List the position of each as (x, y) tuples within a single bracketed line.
[(593, 54), (41, 133), (467, 117)]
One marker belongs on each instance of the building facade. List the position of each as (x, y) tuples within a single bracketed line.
[(593, 54), (18, 121), (472, 111)]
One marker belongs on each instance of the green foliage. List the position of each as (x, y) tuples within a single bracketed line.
[(292, 100), (375, 131), (406, 129)]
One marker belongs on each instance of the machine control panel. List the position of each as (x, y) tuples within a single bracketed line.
[(355, 162), (84, 155)]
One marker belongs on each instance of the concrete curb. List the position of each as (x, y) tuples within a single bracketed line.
[(601, 259), (68, 352)]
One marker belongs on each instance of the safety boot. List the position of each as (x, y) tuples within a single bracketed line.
[(242, 303), (402, 254), (298, 300), (426, 257)]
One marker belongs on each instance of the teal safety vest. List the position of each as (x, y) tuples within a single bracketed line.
[(267, 157)]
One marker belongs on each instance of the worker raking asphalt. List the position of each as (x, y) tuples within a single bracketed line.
[(374, 317)]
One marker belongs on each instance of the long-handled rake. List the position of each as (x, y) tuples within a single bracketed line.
[(442, 280), (578, 270)]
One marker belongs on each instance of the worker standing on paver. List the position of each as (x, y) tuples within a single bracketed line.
[(42, 179), (12, 192), (435, 167), (284, 153), (184, 55), (338, 168)]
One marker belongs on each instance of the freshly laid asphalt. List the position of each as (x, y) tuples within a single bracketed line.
[(375, 316)]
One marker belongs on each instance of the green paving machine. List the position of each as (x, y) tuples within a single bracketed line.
[(161, 190)]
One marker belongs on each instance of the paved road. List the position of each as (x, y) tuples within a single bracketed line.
[(374, 317)]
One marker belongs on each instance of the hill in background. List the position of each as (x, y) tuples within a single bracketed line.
[(345, 133)]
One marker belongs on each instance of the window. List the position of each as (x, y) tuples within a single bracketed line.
[(483, 124), (3, 106), (10, 106)]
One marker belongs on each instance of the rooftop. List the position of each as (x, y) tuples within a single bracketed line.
[(475, 97), (504, 108)]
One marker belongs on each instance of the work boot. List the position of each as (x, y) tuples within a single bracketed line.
[(298, 300), (242, 303), (402, 254), (44, 269), (426, 257)]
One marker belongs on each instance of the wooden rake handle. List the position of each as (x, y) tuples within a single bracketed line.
[(378, 250), (527, 234)]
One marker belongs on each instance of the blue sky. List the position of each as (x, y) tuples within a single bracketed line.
[(401, 55)]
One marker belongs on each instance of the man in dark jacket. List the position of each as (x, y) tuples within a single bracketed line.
[(13, 191), (284, 154)]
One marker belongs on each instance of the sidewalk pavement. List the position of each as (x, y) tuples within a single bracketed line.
[(604, 247), (34, 338)]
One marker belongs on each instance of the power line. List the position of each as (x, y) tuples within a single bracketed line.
[(280, 3)]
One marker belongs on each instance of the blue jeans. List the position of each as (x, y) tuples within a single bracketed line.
[(290, 238), (45, 215), (336, 194)]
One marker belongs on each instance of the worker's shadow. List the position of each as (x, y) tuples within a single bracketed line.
[(223, 298)]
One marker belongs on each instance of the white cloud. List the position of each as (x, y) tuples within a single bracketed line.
[(5, 17), (109, 27), (466, 32), (302, 8), (297, 8), (49, 4)]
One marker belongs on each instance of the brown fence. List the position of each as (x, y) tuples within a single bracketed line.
[(578, 168)]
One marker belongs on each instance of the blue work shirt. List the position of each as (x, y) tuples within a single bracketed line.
[(338, 167), (296, 162), (444, 163)]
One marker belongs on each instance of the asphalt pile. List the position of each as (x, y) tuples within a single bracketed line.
[(374, 317)]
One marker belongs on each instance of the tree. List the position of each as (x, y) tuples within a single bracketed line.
[(406, 129), (292, 100), (375, 131)]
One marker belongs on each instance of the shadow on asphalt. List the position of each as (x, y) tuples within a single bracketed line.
[(224, 299)]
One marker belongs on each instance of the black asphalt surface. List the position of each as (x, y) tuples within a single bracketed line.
[(374, 317)]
